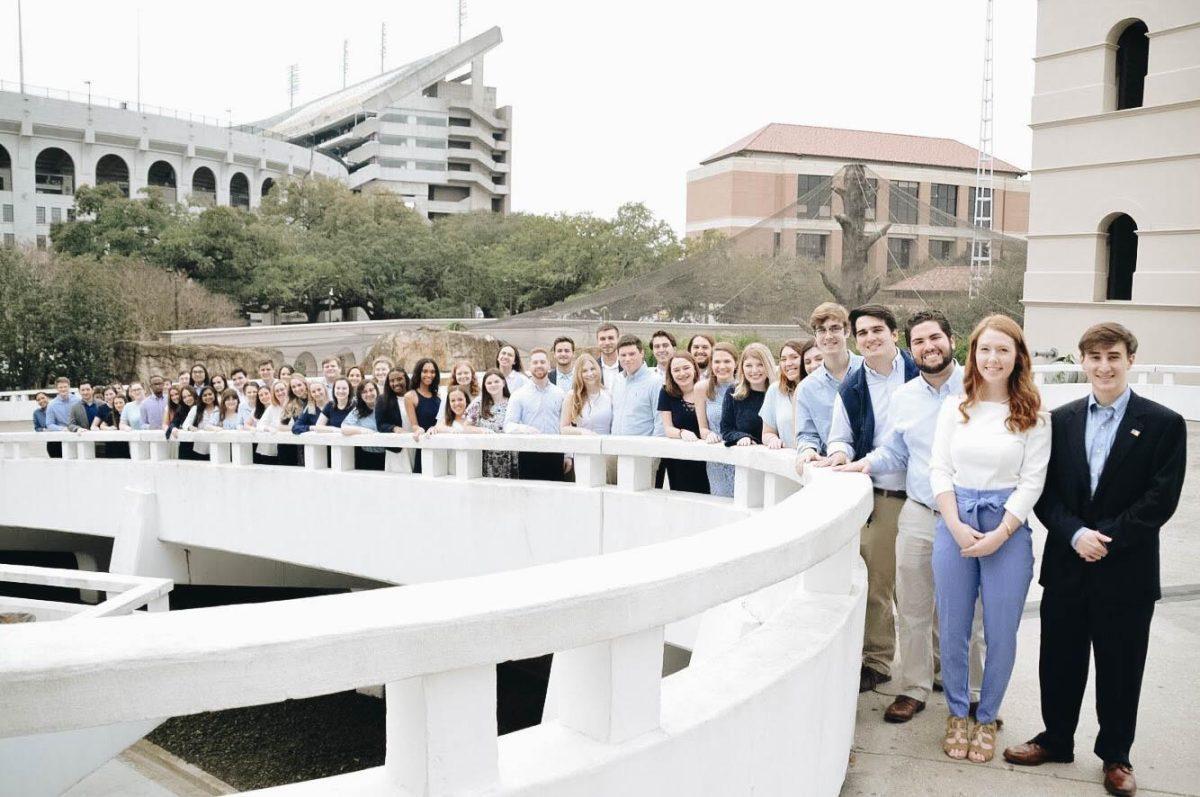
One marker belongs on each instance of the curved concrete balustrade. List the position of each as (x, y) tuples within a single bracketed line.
[(1176, 386), (765, 712)]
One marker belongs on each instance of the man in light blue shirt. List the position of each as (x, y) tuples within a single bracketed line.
[(1099, 432), (635, 392), (906, 451), (536, 408), (830, 324)]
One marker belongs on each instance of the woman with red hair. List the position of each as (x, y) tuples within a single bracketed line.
[(987, 469)]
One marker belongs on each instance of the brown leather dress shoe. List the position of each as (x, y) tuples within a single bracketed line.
[(903, 708), (1031, 754), (1118, 779), (868, 679)]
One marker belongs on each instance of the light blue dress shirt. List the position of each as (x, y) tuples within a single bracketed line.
[(881, 390), (915, 407), (777, 412), (814, 406), (58, 413), (536, 406), (1099, 434), (564, 381), (635, 403)]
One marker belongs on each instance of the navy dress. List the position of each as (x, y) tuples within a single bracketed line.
[(739, 417), (686, 476), (427, 418)]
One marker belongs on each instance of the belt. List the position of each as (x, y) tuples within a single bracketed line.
[(901, 494), (925, 506)]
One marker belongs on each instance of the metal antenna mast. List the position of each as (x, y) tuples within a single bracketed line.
[(345, 61), (293, 81), (21, 46), (462, 18), (985, 181), (382, 46)]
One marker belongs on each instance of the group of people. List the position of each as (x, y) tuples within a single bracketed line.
[(959, 456)]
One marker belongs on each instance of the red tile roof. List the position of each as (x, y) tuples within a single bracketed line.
[(832, 142), (939, 279)]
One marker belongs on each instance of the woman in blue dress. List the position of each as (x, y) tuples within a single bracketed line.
[(709, 397)]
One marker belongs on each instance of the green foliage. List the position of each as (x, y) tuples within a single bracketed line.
[(63, 315), (314, 236), (1000, 294)]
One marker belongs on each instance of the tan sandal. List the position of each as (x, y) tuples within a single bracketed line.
[(955, 743), (983, 743)]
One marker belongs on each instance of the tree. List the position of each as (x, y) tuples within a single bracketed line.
[(109, 224), (855, 287)]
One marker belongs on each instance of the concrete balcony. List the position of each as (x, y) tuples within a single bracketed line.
[(776, 610)]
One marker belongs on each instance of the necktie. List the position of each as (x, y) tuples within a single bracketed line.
[(1100, 443)]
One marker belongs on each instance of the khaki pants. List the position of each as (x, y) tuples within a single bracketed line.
[(878, 549), (917, 619)]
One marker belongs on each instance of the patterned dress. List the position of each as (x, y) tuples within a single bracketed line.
[(720, 476), (496, 464)]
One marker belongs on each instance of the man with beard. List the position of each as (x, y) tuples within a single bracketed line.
[(915, 408), (862, 420), (700, 347), (154, 405), (536, 408), (610, 365)]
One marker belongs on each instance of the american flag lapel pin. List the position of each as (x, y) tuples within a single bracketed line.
[(1136, 432)]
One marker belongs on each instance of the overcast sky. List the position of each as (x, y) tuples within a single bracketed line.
[(612, 101)]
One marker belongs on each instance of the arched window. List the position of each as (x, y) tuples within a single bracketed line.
[(1133, 59), (239, 191), (54, 172), (160, 180), (5, 170), (1122, 257), (267, 185), (112, 170), (204, 187)]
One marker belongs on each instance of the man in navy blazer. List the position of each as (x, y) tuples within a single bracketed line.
[(1116, 471)]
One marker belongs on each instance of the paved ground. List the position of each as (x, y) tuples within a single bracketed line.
[(907, 759)]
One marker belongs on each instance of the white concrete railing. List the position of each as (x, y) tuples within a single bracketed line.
[(1156, 382), (125, 594), (773, 708)]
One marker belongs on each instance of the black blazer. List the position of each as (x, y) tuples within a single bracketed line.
[(387, 415), (1137, 493)]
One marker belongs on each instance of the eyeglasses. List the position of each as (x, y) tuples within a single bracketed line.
[(832, 329)]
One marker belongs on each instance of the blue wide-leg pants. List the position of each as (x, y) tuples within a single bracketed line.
[(1001, 579)]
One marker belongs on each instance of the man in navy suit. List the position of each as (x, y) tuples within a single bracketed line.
[(1116, 471)]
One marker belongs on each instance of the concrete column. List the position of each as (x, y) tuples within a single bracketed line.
[(747, 487), (24, 189), (634, 473), (137, 550), (441, 733), (468, 464), (611, 691)]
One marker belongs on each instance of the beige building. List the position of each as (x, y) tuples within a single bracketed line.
[(430, 131), (924, 186), (1115, 218)]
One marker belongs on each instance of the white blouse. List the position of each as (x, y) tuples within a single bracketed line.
[(268, 421), (982, 454)]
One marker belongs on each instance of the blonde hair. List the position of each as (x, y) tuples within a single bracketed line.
[(578, 396), (828, 311), (763, 355)]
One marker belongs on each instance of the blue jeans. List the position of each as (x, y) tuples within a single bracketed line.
[(1002, 579)]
